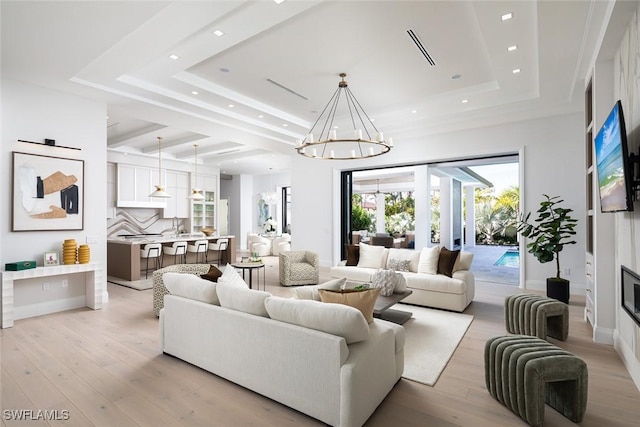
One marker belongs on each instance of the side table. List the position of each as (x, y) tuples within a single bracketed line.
[(251, 266)]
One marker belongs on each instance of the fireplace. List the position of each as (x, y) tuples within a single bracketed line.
[(630, 282)]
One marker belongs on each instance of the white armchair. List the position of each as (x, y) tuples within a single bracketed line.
[(258, 244), (281, 244)]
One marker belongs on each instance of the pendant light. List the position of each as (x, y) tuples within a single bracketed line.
[(160, 193), (195, 192), (270, 197)]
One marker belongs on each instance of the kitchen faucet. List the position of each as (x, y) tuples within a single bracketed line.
[(175, 224)]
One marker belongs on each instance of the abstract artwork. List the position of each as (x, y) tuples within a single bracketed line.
[(48, 193)]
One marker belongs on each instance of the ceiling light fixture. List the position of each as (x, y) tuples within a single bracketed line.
[(507, 16), (270, 197), (516, 71), (218, 33), (512, 48), (366, 141), (174, 56), (195, 192), (278, 1), (464, 101), (195, 92), (160, 188)]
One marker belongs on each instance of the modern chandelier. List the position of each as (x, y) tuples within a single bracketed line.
[(365, 140), (159, 192), (195, 192), (270, 197)]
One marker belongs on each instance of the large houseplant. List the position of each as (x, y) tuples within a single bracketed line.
[(549, 233)]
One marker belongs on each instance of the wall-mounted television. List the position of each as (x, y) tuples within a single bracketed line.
[(614, 172), (630, 282)]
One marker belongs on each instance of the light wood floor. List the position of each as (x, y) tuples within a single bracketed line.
[(105, 368)]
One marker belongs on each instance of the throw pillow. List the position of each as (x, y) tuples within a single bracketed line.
[(243, 299), (353, 255), (399, 264), (464, 261), (429, 260), (404, 255), (362, 300), (213, 274), (446, 261), (231, 276), (385, 280), (311, 292), (370, 256), (190, 286), (334, 319)]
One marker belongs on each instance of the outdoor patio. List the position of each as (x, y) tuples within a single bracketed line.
[(485, 270)]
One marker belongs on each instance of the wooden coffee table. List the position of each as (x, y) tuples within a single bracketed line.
[(382, 311)]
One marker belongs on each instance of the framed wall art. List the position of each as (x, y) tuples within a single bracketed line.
[(47, 193), (51, 258)]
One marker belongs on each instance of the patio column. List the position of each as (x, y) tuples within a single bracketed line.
[(446, 213), (470, 217), (380, 213), (422, 196)]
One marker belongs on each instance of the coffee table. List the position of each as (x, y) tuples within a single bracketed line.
[(382, 311)]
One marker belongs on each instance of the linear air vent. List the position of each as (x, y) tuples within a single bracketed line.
[(287, 89), (420, 46)]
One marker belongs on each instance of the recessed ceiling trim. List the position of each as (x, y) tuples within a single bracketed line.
[(421, 47)]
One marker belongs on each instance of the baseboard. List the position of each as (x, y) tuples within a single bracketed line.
[(628, 357), (604, 335)]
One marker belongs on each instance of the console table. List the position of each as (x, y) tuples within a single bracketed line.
[(93, 278)]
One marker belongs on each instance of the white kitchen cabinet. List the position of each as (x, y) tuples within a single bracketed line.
[(134, 184)]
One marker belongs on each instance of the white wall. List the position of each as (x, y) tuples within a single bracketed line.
[(32, 113), (553, 162), (627, 224)]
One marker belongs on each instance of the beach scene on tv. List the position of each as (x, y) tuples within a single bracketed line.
[(610, 164)]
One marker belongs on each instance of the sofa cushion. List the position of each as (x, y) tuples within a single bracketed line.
[(400, 257), (353, 255), (213, 274), (231, 276), (464, 261), (370, 256), (435, 283), (428, 261), (191, 286), (363, 300), (241, 298), (446, 261), (335, 319), (353, 274), (311, 292)]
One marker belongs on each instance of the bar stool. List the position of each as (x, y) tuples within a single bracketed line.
[(220, 246), (199, 247), (151, 250), (178, 249)]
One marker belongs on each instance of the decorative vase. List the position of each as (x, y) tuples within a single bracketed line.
[(69, 251), (84, 254)]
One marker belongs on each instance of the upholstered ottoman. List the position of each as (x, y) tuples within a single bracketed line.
[(524, 372), (536, 315)]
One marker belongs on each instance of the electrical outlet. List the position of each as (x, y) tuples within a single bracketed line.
[(65, 283), (45, 286)]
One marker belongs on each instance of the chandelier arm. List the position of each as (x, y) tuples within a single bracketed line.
[(323, 110), (354, 101), (331, 115), (363, 112)]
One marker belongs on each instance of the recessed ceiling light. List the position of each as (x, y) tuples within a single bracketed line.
[(512, 48), (219, 164), (107, 117), (174, 56), (464, 101), (285, 125), (193, 92), (278, 1), (516, 70), (414, 111), (230, 105), (218, 33), (456, 76), (224, 70), (507, 16), (260, 116), (235, 161)]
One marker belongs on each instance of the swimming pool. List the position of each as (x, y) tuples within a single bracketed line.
[(509, 259)]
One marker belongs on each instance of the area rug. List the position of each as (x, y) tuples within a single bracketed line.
[(139, 285), (432, 337)]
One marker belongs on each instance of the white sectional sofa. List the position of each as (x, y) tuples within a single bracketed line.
[(321, 359), (430, 289)]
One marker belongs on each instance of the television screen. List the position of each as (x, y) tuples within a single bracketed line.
[(614, 181), (630, 282)]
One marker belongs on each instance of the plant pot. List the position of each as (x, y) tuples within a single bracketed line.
[(558, 289)]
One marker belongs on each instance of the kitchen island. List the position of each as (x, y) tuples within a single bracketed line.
[(123, 253)]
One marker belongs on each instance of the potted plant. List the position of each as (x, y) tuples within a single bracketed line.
[(549, 233)]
